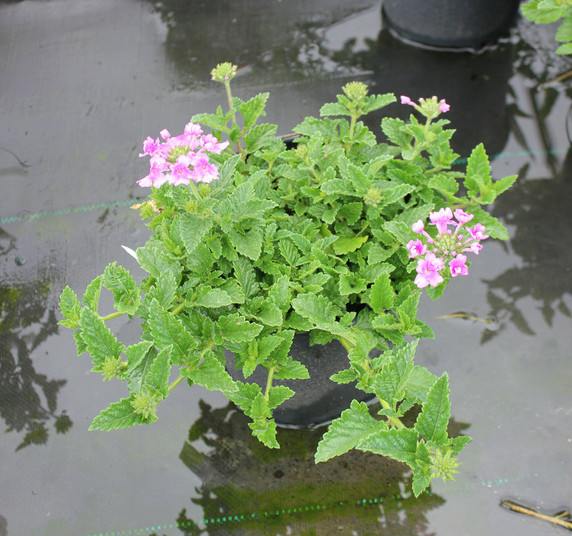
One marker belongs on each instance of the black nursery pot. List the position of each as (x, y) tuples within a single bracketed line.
[(318, 400), (469, 24)]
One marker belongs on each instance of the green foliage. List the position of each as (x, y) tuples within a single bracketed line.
[(545, 11), (308, 237)]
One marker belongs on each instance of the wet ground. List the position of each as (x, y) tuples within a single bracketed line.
[(81, 85)]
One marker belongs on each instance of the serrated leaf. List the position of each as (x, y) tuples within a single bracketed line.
[(457, 444), (270, 314), (382, 295), (192, 230), (70, 308), (344, 376), (211, 374), (246, 276), (333, 108), (289, 369), (389, 384), (92, 292), (118, 415), (351, 212), (317, 309), (265, 431), (157, 380), (248, 243), (433, 420), (126, 296), (100, 342), (419, 383), (252, 109), (140, 358), (155, 260), (168, 330), (235, 328), (278, 394), (213, 298), (244, 395), (399, 444), (280, 293), (478, 178), (345, 245), (347, 431)]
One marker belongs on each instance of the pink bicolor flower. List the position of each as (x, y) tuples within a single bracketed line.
[(418, 226), (428, 271), (150, 146), (203, 170), (462, 216), (180, 172), (407, 100), (441, 219), (478, 232), (474, 247), (443, 106), (416, 248), (458, 265), (211, 144)]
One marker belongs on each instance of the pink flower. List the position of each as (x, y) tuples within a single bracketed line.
[(407, 100), (165, 134), (150, 146), (416, 248), (441, 219), (211, 144), (203, 170), (180, 172), (474, 247), (458, 265), (462, 216), (443, 106), (418, 226), (428, 271), (477, 232)]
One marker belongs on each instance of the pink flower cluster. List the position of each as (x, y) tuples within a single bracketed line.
[(442, 104), (446, 248), (181, 159)]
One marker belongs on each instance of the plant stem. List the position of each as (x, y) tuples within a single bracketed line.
[(232, 109), (178, 309), (174, 384), (269, 383), (394, 421), (112, 315), (195, 191)]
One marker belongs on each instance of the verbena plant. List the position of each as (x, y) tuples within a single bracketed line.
[(254, 241)]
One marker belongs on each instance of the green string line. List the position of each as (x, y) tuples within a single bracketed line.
[(104, 206), (297, 510)]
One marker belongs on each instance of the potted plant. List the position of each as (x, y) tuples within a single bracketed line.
[(254, 244)]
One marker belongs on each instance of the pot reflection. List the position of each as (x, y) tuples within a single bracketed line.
[(250, 489)]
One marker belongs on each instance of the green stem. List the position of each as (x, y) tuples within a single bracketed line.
[(178, 309), (233, 110), (269, 383), (112, 315), (195, 191), (174, 384), (394, 421)]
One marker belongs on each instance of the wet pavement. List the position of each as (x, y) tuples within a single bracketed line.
[(81, 85)]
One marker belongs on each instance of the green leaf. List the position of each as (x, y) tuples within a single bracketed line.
[(210, 374), (155, 260), (504, 184), (235, 328), (399, 444), (351, 212), (289, 369), (140, 358), (213, 298), (350, 283), (265, 431), (419, 383), (382, 295), (270, 314), (126, 294), (248, 243), (422, 473), (99, 341), (317, 309), (278, 394), (344, 245), (333, 108), (92, 292), (347, 431), (70, 308), (246, 276), (168, 330), (118, 415), (433, 420), (192, 230), (157, 379), (344, 376), (253, 109), (390, 384), (478, 179), (280, 293)]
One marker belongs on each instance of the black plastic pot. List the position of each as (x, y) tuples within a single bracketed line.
[(318, 400), (469, 24)]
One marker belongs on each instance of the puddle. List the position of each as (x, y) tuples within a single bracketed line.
[(82, 85)]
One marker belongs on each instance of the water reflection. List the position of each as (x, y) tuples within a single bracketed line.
[(539, 211), (250, 489), (28, 399), (275, 39)]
